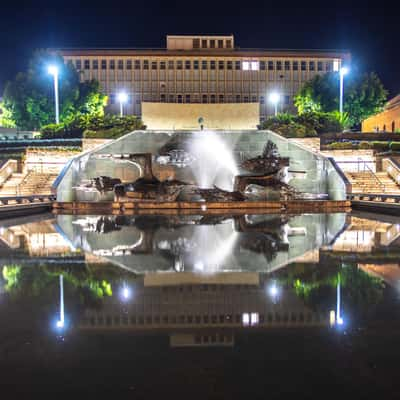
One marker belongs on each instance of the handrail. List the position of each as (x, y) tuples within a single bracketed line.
[(382, 186), (342, 175)]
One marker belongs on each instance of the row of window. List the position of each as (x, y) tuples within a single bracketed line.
[(199, 319), (204, 98), (211, 43), (204, 64)]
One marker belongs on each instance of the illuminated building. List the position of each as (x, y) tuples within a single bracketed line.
[(386, 121), (202, 69)]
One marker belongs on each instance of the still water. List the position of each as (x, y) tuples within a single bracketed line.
[(203, 306)]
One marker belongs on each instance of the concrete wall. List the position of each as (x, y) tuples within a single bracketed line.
[(174, 116), (309, 172)]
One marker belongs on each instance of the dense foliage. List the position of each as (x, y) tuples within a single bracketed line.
[(29, 98), (304, 125), (364, 95), (6, 120), (364, 145), (88, 126)]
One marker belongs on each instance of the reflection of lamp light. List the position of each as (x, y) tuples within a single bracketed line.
[(61, 321), (339, 319), (126, 293)]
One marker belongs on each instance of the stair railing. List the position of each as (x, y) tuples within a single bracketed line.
[(368, 168)]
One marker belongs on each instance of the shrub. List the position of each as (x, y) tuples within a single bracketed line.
[(364, 145), (340, 146), (107, 126), (380, 146), (395, 146)]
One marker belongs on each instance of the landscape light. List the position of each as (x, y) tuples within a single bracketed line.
[(274, 99), (53, 70), (122, 98)]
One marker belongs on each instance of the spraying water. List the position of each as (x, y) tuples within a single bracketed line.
[(214, 161)]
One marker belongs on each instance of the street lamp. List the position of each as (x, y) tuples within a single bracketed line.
[(274, 99), (343, 71), (122, 98), (53, 70)]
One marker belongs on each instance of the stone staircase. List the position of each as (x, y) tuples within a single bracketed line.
[(19, 184), (370, 182)]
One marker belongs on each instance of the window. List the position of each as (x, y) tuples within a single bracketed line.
[(329, 66), (262, 65), (204, 98), (311, 66), (162, 65), (246, 65), (295, 65), (237, 98), (179, 65), (171, 98), (229, 44), (129, 64), (255, 65), (303, 66), (137, 64), (95, 64), (154, 65), (204, 43), (86, 64), (196, 64), (213, 98), (254, 99), (221, 98), (245, 99), (120, 64), (171, 64), (262, 100), (286, 100), (145, 64), (212, 44), (319, 66), (103, 64), (212, 64), (196, 43), (78, 64), (188, 64), (130, 99), (112, 64), (204, 64), (229, 65), (287, 65), (270, 65), (237, 65), (220, 44), (180, 99), (187, 98), (221, 64), (279, 65)]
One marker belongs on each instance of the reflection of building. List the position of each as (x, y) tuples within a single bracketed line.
[(38, 239), (386, 121), (204, 313), (364, 235), (201, 69)]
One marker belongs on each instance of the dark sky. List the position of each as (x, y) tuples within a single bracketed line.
[(370, 32)]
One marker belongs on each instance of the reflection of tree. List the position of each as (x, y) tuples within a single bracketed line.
[(317, 287)]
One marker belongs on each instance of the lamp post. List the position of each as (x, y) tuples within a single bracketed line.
[(53, 70), (274, 99), (342, 72), (122, 98)]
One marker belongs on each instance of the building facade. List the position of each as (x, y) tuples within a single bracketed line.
[(386, 121), (202, 69)]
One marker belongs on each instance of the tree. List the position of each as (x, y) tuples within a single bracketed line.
[(364, 96), (6, 120), (30, 96)]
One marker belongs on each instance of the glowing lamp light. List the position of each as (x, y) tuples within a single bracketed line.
[(122, 97), (273, 290), (60, 324), (52, 70), (274, 98), (344, 70), (126, 293)]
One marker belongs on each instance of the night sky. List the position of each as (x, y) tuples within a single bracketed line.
[(371, 33)]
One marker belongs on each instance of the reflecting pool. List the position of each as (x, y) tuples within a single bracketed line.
[(207, 306)]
